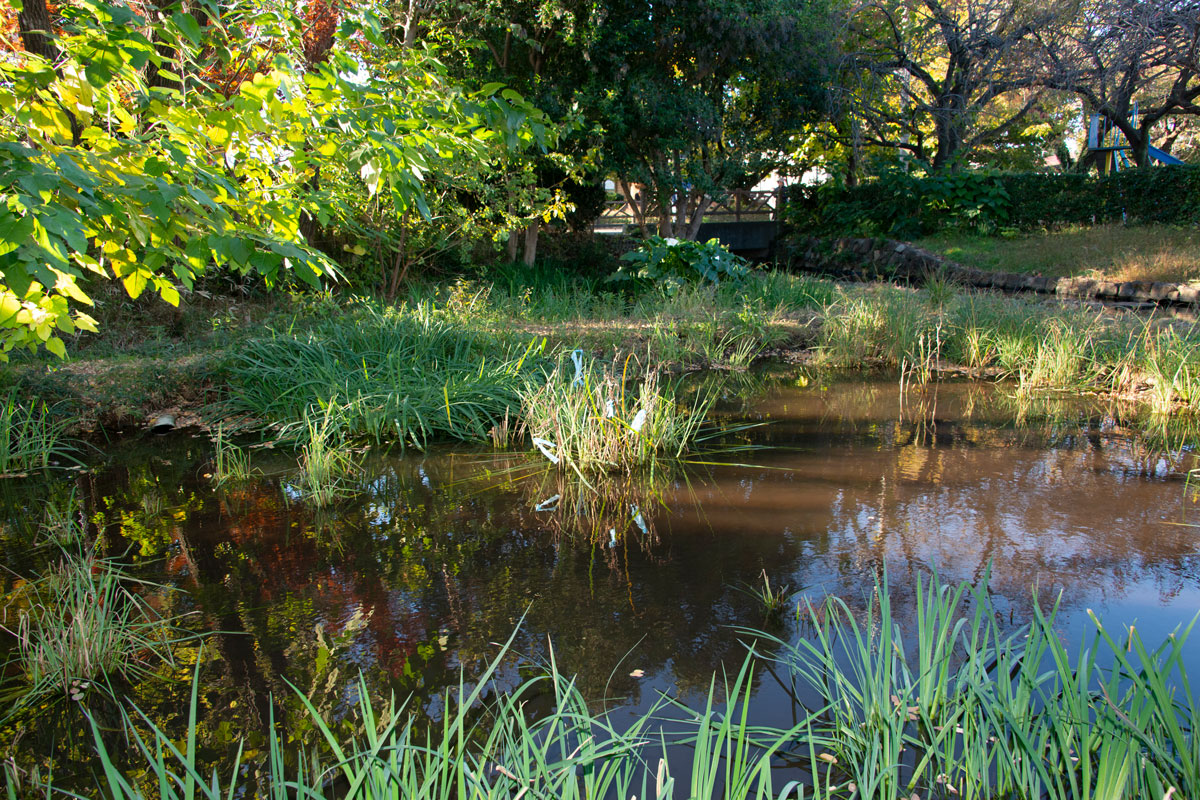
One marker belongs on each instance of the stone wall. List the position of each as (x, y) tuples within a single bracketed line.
[(886, 259)]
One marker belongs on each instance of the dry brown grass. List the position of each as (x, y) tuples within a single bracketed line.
[(1115, 252)]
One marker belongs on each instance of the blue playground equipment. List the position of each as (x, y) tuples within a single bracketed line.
[(1107, 138)]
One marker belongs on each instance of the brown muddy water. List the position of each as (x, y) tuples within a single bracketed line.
[(412, 582)]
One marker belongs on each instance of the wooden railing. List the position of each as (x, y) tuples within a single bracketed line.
[(741, 205)]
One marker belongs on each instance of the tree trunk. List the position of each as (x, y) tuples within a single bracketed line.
[(1139, 147), (637, 206), (34, 24), (531, 241), (666, 209), (702, 204)]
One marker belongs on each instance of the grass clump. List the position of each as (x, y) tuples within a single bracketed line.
[(959, 706), (1037, 345), (486, 745), (402, 374), (82, 623), (968, 709), (30, 438), (328, 464), (602, 420), (231, 464)]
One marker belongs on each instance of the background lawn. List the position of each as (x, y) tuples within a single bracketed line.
[(1118, 252)]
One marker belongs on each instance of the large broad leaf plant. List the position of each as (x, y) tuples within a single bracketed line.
[(152, 151)]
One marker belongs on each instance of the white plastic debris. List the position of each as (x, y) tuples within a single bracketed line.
[(549, 504), (577, 358), (546, 448)]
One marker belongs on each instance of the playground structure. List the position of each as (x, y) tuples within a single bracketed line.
[(1106, 138)]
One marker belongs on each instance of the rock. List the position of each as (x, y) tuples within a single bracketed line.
[(1160, 291), (1188, 294)]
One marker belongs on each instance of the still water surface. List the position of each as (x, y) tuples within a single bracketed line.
[(417, 578)]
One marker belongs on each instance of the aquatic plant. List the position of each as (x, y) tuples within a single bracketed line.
[(774, 601), (30, 437), (81, 623), (231, 464), (601, 420), (966, 708), (328, 462), (972, 710), (481, 748)]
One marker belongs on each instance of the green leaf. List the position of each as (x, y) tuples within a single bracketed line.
[(135, 283), (15, 230), (188, 25)]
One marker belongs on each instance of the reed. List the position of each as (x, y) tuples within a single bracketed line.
[(954, 705), (970, 710), (479, 748), (596, 421), (82, 623), (328, 462), (30, 438), (231, 464)]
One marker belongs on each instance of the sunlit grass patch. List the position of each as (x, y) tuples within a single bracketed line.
[(1114, 252), (403, 375), (608, 419)]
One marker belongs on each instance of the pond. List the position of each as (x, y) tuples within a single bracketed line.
[(638, 588)]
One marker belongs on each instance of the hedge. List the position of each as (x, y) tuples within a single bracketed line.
[(904, 206)]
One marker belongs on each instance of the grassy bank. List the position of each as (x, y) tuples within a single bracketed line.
[(965, 708), (1115, 252), (462, 361)]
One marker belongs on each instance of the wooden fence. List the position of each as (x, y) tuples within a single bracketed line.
[(740, 205)]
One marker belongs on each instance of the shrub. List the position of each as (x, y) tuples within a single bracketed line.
[(668, 264), (907, 206)]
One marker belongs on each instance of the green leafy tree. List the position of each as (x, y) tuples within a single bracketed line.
[(542, 49), (218, 157), (938, 79), (700, 97)]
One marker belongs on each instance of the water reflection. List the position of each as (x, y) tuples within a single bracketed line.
[(440, 556)]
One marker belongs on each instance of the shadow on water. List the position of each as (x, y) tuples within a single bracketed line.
[(638, 588)]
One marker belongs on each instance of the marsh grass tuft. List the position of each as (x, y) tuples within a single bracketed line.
[(80, 624), (602, 420), (231, 464), (30, 438), (775, 601), (329, 463)]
